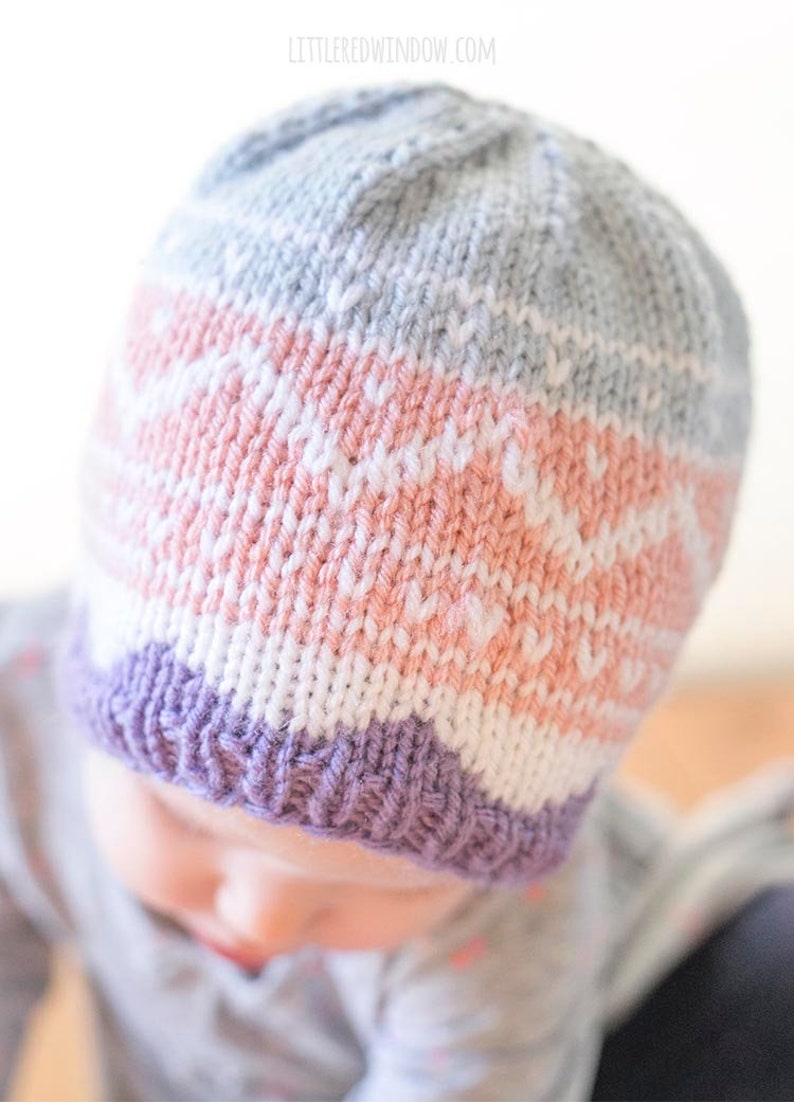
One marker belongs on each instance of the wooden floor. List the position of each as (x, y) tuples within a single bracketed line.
[(695, 742)]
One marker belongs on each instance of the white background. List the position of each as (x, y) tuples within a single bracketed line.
[(109, 110)]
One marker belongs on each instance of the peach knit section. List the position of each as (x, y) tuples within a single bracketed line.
[(572, 511)]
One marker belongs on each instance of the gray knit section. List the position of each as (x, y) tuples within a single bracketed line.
[(476, 237)]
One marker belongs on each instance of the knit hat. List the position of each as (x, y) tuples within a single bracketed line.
[(415, 458)]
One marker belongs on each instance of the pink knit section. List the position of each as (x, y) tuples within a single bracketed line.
[(606, 480)]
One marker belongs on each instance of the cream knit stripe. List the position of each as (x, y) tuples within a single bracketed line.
[(524, 762)]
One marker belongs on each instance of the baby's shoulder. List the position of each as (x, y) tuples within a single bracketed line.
[(29, 631), (29, 627), (31, 771), (492, 931)]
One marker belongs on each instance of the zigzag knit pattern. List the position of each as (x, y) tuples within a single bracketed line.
[(416, 456)]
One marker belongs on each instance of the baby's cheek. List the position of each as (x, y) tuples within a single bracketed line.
[(164, 871), (370, 925), (162, 866)]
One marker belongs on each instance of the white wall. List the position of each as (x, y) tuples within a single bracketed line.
[(108, 111)]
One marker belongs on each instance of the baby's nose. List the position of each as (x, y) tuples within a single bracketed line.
[(275, 917)]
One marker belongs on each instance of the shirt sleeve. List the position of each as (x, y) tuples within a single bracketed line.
[(510, 1012)]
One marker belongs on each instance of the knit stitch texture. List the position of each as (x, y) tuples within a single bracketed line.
[(415, 459)]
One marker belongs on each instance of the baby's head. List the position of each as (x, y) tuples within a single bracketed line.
[(416, 458)]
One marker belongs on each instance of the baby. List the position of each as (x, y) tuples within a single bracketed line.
[(414, 462), (249, 888)]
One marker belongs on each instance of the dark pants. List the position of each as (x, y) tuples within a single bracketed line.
[(720, 1027)]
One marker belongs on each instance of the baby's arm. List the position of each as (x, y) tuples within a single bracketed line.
[(25, 953), (25, 959), (510, 1013)]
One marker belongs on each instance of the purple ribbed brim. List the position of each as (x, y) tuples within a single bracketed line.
[(393, 787)]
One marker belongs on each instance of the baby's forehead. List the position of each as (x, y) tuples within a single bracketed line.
[(296, 848)]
